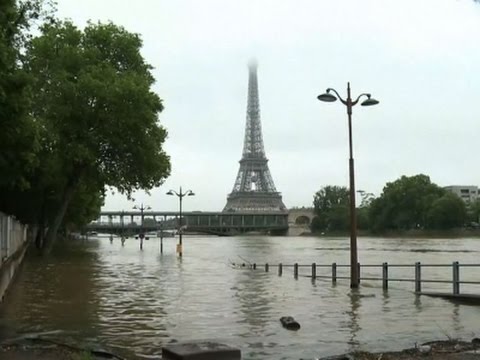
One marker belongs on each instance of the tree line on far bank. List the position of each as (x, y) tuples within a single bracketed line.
[(78, 115), (408, 203)]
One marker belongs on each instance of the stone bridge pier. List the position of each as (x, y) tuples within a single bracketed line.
[(299, 221)]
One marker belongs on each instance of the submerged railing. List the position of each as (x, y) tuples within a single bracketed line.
[(384, 268)]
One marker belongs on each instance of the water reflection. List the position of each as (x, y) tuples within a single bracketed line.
[(254, 299), (354, 318), (456, 319), (252, 291), (386, 301), (418, 303)]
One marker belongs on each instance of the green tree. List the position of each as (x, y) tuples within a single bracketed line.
[(331, 208), (366, 198), (330, 197), (97, 114), (317, 224), (404, 203), (18, 136), (473, 211), (363, 218), (148, 221), (447, 212), (363, 211), (85, 206)]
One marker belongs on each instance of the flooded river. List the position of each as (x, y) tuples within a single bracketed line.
[(138, 301)]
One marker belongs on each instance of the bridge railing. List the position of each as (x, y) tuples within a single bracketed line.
[(202, 218), (410, 273)]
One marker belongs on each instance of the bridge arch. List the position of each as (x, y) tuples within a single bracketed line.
[(303, 220), (300, 216)]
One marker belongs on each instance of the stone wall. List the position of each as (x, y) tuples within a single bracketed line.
[(13, 241)]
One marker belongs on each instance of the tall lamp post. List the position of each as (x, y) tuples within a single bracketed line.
[(142, 209), (369, 101), (122, 221), (180, 196)]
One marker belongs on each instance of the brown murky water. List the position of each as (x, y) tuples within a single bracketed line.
[(137, 301)]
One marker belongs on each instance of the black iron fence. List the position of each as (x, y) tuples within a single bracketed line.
[(331, 271)]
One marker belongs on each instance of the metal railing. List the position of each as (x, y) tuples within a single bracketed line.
[(384, 269), (13, 236)]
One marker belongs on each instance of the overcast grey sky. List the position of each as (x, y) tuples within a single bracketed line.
[(421, 59)]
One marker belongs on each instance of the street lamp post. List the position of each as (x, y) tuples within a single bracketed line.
[(141, 235), (369, 101), (180, 196), (122, 221)]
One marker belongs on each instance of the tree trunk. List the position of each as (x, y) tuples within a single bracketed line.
[(57, 221), (39, 236)]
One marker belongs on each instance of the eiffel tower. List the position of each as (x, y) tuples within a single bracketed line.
[(254, 189)]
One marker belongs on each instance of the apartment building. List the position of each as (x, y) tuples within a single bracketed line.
[(467, 193)]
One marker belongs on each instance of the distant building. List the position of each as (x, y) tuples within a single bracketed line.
[(468, 193)]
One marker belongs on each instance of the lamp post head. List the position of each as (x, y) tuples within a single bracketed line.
[(370, 101), (135, 207), (170, 192), (191, 193), (327, 97)]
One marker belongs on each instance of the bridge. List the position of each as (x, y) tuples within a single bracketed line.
[(216, 223), (299, 221)]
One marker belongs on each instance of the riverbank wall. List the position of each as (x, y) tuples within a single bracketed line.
[(13, 244)]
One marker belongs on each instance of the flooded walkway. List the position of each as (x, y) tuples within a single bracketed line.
[(136, 301)]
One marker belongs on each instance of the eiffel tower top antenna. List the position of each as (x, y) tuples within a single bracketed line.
[(253, 64)]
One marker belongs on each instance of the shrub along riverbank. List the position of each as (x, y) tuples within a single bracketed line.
[(407, 204)]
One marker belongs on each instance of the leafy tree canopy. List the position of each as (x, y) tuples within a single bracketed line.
[(330, 197), (447, 212), (473, 211), (18, 140), (331, 208), (96, 116), (404, 204), (92, 94)]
